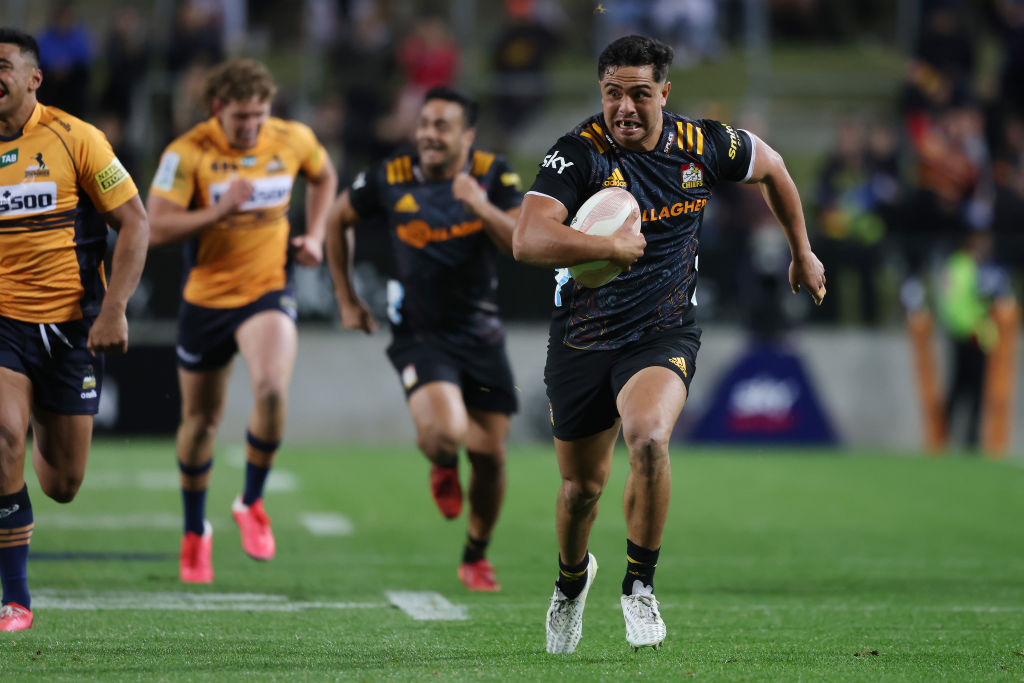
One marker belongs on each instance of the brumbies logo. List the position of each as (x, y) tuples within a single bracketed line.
[(39, 170), (693, 176)]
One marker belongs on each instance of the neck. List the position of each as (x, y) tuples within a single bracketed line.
[(446, 172), (12, 123)]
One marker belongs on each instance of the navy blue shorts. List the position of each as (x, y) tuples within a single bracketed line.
[(482, 373), (66, 378), (582, 385), (206, 336)]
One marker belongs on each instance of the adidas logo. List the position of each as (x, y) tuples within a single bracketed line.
[(679, 363), (407, 204), (615, 179)]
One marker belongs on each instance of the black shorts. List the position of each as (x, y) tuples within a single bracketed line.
[(206, 336), (582, 385), (66, 378), (482, 373)]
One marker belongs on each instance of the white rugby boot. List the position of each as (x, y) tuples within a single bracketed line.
[(644, 627), (564, 625)]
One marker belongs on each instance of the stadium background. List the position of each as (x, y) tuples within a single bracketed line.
[(803, 74)]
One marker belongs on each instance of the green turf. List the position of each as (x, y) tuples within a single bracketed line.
[(807, 566)]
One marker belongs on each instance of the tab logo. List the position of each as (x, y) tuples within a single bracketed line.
[(615, 179), (8, 158), (553, 160)]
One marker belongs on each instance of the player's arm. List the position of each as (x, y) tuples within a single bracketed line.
[(340, 224), (498, 223), (109, 332), (171, 222), (320, 191), (542, 239), (782, 197)]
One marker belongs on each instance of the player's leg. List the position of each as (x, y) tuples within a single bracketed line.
[(60, 449), (16, 520), (268, 341), (203, 393), (584, 464), (485, 448), (442, 423)]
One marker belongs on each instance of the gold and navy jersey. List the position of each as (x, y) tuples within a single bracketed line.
[(57, 176), (672, 184), (444, 261), (242, 256)]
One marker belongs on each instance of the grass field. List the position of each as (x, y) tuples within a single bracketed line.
[(807, 566)]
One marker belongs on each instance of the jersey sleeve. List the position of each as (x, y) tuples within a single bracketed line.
[(312, 155), (364, 193), (175, 177), (564, 173), (503, 190), (734, 150), (101, 174)]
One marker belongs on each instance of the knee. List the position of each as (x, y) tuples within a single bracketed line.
[(199, 429), (648, 446), (438, 439), (12, 446), (269, 393), (492, 461), (581, 496), (62, 489)]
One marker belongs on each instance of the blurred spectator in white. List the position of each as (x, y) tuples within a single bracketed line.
[(66, 53)]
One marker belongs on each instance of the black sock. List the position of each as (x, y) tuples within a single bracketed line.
[(640, 566), (474, 549), (16, 526), (447, 460), (572, 579)]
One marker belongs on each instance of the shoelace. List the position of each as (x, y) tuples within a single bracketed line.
[(6, 611), (651, 603)]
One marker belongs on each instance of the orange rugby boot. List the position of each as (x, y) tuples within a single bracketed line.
[(447, 492), (254, 525), (478, 576), (196, 559), (14, 617)]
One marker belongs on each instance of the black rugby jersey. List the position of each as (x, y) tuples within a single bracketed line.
[(672, 183), (444, 261)]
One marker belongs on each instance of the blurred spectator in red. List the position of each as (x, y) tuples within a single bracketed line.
[(520, 58), (428, 56), (66, 53), (127, 51)]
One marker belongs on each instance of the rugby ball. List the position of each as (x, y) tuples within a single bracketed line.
[(603, 214)]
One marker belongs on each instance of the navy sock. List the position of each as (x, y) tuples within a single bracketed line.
[(194, 502), (640, 566), (572, 579), (15, 533), (256, 476), (474, 549)]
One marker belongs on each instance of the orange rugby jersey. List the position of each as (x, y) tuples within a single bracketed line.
[(56, 178), (242, 256)]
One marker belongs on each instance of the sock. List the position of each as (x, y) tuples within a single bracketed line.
[(640, 566), (194, 502), (447, 460), (256, 476), (15, 533), (572, 579), (474, 549)]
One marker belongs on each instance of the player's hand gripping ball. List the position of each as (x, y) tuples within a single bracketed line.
[(602, 215)]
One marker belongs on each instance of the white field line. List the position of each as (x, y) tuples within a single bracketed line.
[(225, 602), (426, 606), (327, 524), (280, 480)]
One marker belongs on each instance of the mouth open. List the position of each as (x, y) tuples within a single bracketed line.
[(628, 126)]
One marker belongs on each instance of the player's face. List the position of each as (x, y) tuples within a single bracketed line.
[(632, 102), (442, 138), (242, 120), (19, 79)]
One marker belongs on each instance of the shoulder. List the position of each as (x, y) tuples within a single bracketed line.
[(201, 136), (288, 131), (69, 128), (398, 169), (589, 134)]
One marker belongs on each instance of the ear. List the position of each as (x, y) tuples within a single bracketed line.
[(35, 80), (469, 136), (216, 106), (665, 90)]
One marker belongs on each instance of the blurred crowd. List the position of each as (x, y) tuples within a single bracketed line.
[(895, 195)]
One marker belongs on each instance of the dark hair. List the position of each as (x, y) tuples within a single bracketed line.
[(23, 40), (469, 107), (636, 51)]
